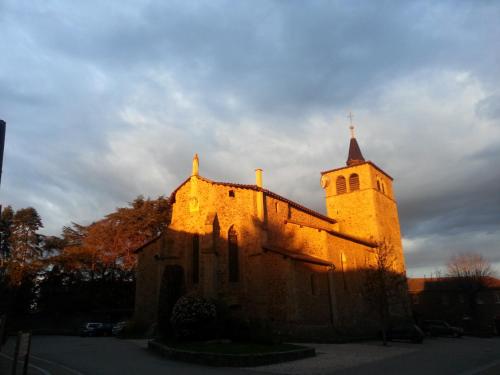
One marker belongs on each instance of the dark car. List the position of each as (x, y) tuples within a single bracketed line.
[(118, 328), (406, 332), (96, 329), (441, 328)]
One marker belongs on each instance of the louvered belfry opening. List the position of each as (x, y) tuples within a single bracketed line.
[(353, 182), (341, 185), (233, 255)]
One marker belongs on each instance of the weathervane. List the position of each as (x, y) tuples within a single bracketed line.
[(350, 115)]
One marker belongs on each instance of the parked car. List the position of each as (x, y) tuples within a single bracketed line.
[(441, 328), (118, 328), (96, 329), (406, 332)]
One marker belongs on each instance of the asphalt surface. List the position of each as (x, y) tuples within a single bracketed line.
[(69, 355), (65, 355), (442, 356)]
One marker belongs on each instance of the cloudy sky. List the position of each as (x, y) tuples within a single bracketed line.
[(106, 100)]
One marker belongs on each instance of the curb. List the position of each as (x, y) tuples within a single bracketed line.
[(229, 360)]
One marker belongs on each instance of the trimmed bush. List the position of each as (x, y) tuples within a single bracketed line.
[(194, 318)]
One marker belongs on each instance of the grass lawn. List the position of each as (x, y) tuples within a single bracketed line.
[(234, 347)]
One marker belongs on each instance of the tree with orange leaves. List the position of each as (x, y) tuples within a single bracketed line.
[(106, 247), (95, 268)]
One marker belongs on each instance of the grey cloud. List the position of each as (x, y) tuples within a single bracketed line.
[(469, 205), (435, 251), (278, 57), (489, 107), (105, 101)]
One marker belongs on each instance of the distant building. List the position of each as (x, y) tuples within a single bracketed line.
[(475, 309), (269, 258)]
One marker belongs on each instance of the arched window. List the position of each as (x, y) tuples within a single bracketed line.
[(353, 182), (314, 284), (343, 261), (341, 185), (383, 188), (343, 265), (196, 259), (232, 239), (378, 185)]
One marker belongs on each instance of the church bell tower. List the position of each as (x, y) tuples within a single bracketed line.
[(360, 197)]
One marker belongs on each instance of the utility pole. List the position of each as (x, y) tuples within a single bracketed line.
[(3, 317), (2, 142)]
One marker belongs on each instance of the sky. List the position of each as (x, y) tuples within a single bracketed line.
[(106, 100)]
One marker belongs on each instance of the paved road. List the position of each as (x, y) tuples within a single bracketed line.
[(441, 356), (68, 355), (467, 356), (62, 355)]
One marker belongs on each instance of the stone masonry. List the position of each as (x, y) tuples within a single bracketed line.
[(270, 259)]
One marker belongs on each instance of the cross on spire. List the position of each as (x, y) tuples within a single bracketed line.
[(350, 116)]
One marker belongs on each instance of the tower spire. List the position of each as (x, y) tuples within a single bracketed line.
[(355, 156)]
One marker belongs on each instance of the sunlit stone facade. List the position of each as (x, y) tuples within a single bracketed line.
[(270, 259)]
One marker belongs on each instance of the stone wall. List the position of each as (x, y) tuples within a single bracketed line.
[(368, 212), (147, 277), (274, 288)]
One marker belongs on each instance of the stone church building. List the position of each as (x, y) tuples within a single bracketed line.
[(271, 259)]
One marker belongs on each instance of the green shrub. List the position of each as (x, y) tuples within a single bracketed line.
[(239, 329), (194, 318)]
